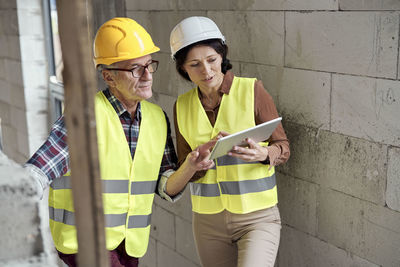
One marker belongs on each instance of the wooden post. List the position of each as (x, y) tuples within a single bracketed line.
[(75, 20)]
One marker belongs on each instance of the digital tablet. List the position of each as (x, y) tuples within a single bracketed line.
[(257, 133)]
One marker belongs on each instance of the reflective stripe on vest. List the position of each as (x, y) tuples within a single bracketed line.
[(111, 220), (128, 185), (111, 186), (233, 188), (234, 185)]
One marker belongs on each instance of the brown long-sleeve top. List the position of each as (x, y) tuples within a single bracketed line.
[(264, 110)]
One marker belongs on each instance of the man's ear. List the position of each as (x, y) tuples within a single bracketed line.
[(108, 77)]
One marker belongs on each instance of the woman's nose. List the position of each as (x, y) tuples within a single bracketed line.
[(206, 68)]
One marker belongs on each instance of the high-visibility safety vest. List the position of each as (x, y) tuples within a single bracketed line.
[(128, 185), (235, 185)]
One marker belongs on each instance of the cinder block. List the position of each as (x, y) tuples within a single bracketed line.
[(271, 77), (163, 226), (20, 158), (37, 123), (289, 5), (14, 73), (35, 74), (298, 203), (143, 18), (7, 4), (5, 96), (181, 208), (354, 166), (261, 35), (167, 104), (360, 227), (5, 113), (389, 5), (393, 179), (236, 65), (136, 5), (29, 4), (167, 80), (303, 250), (304, 97), (185, 244), (10, 142), (36, 141), (367, 108), (150, 258), (13, 47), (363, 43), (10, 18), (208, 5), (30, 22), (18, 119), (3, 48), (37, 99), (169, 258), (32, 48), (17, 97), (168, 20), (2, 65), (23, 144)]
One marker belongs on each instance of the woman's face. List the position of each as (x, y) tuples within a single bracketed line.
[(203, 65)]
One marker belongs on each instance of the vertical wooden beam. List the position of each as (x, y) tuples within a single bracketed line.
[(75, 20)]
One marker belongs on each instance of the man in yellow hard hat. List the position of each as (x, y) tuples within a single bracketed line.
[(136, 152)]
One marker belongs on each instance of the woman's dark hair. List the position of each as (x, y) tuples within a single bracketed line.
[(216, 44)]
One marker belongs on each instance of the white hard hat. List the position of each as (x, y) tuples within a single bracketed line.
[(192, 30)]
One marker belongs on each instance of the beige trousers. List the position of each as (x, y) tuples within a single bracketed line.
[(245, 240)]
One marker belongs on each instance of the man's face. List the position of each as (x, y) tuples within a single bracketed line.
[(129, 89)]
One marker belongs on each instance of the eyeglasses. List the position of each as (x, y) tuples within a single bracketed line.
[(138, 71)]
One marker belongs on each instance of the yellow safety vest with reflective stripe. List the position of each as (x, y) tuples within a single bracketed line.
[(128, 185), (234, 185)]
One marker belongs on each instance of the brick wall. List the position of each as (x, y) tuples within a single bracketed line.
[(332, 69)]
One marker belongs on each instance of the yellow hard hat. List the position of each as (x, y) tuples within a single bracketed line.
[(121, 39)]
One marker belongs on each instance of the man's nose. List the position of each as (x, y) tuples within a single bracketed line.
[(147, 75)]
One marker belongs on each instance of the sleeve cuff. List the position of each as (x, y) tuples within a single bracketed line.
[(273, 154), (162, 185), (38, 178)]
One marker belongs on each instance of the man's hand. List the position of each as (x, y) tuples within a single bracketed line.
[(254, 152)]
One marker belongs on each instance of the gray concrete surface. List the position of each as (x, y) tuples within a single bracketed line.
[(23, 237)]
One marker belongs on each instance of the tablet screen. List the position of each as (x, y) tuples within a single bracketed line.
[(257, 133)]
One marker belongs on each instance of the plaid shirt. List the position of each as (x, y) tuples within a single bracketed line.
[(52, 158)]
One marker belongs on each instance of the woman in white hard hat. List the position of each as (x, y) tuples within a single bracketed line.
[(235, 218)]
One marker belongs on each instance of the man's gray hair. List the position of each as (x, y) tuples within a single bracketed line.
[(102, 67)]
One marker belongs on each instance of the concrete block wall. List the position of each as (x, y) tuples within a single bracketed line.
[(24, 127), (23, 78), (12, 100), (332, 67)]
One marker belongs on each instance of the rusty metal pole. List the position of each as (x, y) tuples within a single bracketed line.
[(75, 20)]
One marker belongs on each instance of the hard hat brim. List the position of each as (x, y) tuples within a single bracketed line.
[(111, 60)]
